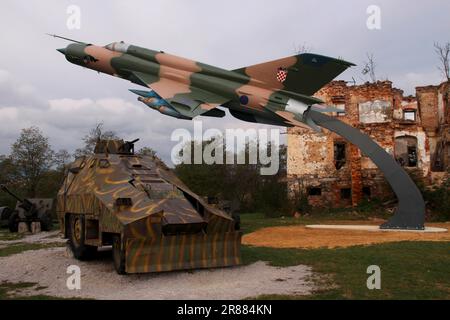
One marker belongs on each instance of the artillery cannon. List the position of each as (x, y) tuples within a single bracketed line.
[(5, 213), (28, 211)]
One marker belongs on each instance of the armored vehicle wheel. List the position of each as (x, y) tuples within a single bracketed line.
[(46, 222), (118, 255), (13, 222), (237, 221), (76, 232)]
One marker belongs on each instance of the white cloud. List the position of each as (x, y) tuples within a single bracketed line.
[(39, 87), (67, 120)]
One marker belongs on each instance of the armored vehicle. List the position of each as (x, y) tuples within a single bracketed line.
[(28, 211), (137, 204)]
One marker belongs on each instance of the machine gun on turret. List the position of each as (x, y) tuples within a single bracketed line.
[(117, 146), (128, 146), (29, 211)]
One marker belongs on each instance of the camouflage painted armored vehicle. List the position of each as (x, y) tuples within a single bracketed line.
[(136, 204)]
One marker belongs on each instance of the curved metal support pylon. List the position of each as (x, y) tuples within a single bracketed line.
[(410, 213)]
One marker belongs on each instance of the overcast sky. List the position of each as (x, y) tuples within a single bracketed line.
[(39, 87)]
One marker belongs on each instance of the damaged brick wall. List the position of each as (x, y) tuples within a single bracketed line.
[(332, 172), (433, 102)]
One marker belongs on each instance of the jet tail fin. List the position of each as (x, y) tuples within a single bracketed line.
[(304, 73)]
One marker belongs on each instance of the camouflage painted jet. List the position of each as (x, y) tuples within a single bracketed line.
[(276, 92)]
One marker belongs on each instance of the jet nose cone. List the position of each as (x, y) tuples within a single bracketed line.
[(63, 51)]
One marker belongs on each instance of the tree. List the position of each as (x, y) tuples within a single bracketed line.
[(443, 52), (241, 184), (300, 49), (7, 169), (32, 157), (62, 159), (369, 67), (90, 140), (7, 174)]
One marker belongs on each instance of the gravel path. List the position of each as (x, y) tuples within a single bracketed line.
[(47, 267)]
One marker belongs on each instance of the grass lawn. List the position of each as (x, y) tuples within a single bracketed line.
[(6, 235), (6, 288), (20, 247), (409, 270), (253, 221)]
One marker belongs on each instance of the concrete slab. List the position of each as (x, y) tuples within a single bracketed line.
[(35, 227), (371, 228), (22, 228)]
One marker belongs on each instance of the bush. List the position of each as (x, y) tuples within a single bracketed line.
[(298, 202), (438, 200), (437, 197)]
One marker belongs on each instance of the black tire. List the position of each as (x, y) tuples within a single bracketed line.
[(13, 222), (76, 235), (237, 221), (118, 253), (46, 222)]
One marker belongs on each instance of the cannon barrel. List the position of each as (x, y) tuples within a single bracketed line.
[(25, 203), (5, 189), (133, 141)]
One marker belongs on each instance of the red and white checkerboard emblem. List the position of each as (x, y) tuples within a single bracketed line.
[(282, 75)]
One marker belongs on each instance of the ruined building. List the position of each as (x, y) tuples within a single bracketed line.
[(415, 130)]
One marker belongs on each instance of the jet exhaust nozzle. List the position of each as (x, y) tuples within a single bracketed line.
[(301, 109)]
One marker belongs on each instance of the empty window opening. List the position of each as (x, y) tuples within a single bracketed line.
[(406, 152), (412, 157), (367, 192), (409, 115), (315, 191), (339, 155), (346, 193)]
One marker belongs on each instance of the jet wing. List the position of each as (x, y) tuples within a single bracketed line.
[(189, 101)]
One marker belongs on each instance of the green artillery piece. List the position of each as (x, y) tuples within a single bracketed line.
[(29, 211), (5, 213)]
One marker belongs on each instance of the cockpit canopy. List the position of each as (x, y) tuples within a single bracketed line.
[(118, 46)]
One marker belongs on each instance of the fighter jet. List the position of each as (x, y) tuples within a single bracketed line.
[(277, 92)]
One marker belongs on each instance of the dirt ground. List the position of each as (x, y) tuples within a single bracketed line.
[(47, 268), (302, 237)]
